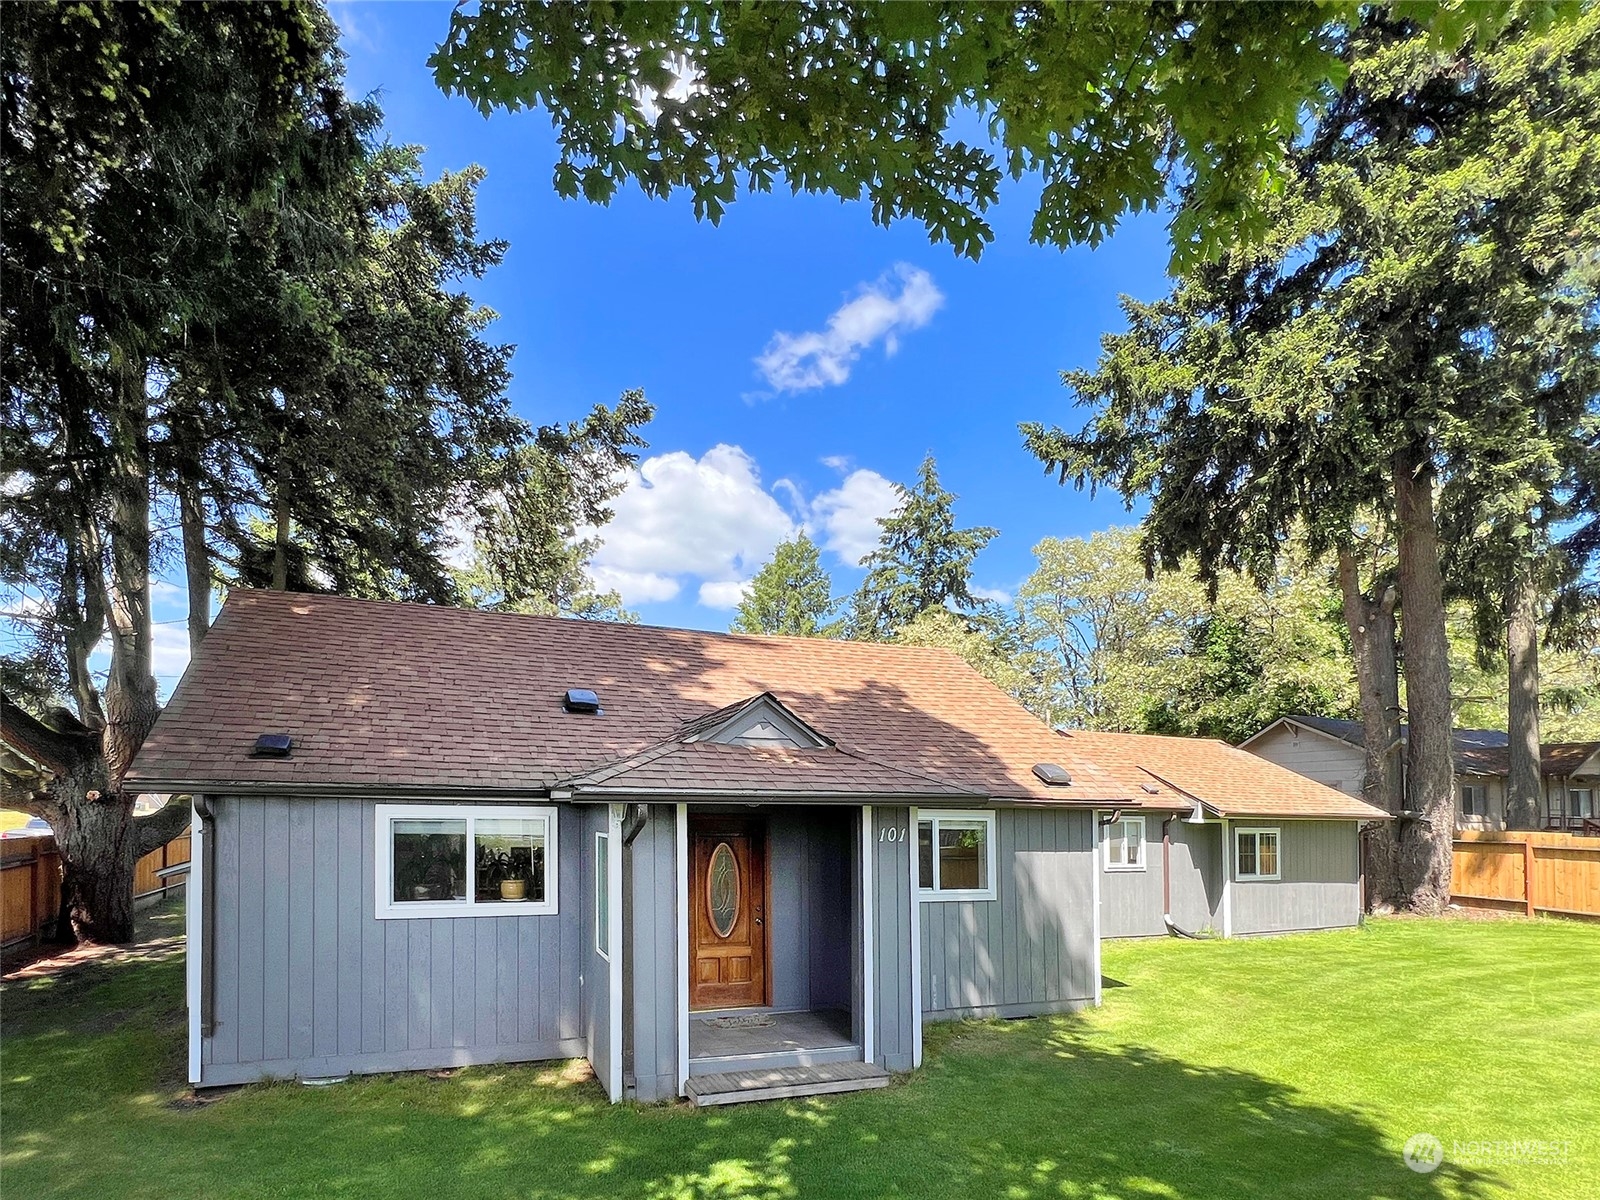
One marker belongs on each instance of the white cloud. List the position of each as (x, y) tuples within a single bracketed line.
[(846, 517), (998, 595), (709, 518), (727, 593), (902, 299), (169, 649)]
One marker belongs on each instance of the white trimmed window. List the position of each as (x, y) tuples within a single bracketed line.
[(1125, 844), (602, 896), (1580, 802), (459, 860), (1474, 802), (1255, 854), (955, 856)]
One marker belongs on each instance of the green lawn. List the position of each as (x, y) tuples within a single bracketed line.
[(1276, 1068)]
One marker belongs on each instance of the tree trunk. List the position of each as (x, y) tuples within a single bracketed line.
[(1425, 836), (1524, 784), (130, 691), (196, 559), (1370, 617), (99, 851)]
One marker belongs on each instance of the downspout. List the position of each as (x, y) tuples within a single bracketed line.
[(1166, 883), (208, 910)]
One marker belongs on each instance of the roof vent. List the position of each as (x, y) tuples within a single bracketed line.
[(1055, 776), (581, 700), (272, 745), (1151, 788)]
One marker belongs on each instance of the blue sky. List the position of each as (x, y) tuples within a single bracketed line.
[(935, 354)]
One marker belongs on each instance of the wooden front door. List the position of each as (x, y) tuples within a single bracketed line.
[(727, 913)]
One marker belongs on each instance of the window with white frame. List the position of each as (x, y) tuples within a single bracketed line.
[(1474, 802), (440, 860), (602, 896), (955, 856), (1580, 802), (1255, 854), (1125, 844)]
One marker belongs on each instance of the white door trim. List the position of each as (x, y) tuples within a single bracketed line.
[(868, 1002), (683, 946)]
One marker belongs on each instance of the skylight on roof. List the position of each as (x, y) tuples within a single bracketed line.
[(1053, 774)]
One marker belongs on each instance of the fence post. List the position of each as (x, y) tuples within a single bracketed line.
[(1527, 873)]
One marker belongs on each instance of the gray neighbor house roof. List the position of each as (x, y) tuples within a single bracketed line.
[(1477, 751)]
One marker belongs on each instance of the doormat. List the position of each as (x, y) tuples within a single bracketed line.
[(753, 1021)]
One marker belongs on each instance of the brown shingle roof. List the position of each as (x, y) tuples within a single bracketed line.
[(1230, 781), (714, 768), (413, 697), (1563, 758)]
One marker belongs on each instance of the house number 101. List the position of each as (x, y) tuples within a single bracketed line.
[(894, 833)]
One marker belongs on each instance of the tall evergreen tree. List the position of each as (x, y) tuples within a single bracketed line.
[(791, 595), (230, 313), (922, 562), (1367, 359)]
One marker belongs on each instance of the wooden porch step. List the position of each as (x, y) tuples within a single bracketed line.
[(784, 1083)]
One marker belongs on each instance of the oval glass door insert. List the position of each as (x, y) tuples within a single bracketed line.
[(722, 889)]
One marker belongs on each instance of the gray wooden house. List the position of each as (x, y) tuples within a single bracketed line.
[(715, 866), (1329, 751)]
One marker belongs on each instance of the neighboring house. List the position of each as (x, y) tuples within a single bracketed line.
[(713, 865), (1329, 751), (1254, 848)]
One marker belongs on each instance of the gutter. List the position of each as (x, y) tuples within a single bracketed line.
[(1166, 884), (208, 908)]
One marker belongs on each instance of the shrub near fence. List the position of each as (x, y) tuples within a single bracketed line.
[(1527, 872), (30, 884)]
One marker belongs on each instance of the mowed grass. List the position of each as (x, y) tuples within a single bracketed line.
[(1290, 1067)]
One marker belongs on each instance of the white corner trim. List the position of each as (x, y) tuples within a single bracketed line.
[(614, 941), (682, 863), (194, 940), (1094, 905), (916, 941), (1227, 878), (868, 1000)]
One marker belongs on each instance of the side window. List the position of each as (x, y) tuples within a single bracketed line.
[(1125, 844), (602, 895), (956, 856)]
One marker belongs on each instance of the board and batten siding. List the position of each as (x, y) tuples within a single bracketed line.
[(1032, 948), (894, 1012), (1328, 760), (1131, 901), (309, 983), (1319, 884), (650, 978)]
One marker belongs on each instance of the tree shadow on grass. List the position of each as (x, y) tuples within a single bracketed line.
[(1018, 1109)]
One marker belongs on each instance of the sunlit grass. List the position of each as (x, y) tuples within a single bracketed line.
[(1294, 1067)]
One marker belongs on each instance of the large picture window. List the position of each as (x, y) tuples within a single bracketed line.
[(1125, 844), (442, 860), (1255, 854), (955, 856)]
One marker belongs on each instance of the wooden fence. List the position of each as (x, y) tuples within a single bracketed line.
[(30, 883), (1527, 872)]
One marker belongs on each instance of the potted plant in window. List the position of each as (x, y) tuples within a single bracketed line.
[(514, 885)]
